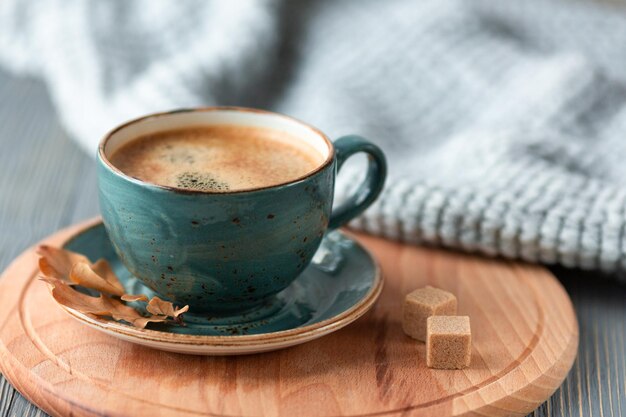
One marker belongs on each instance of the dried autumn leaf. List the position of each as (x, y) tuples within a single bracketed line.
[(102, 306), (162, 307), (64, 268), (57, 263), (65, 295), (103, 268), (130, 297), (83, 274)]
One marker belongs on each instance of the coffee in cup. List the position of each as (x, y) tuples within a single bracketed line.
[(217, 158)]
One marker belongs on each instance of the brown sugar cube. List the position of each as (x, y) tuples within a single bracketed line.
[(423, 303), (448, 342)]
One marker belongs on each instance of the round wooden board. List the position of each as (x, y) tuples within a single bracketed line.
[(525, 337)]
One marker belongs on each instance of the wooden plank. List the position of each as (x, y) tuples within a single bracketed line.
[(7, 393)]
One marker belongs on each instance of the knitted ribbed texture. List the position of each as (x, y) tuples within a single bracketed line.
[(504, 122)]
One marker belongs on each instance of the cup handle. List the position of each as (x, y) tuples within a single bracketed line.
[(367, 192)]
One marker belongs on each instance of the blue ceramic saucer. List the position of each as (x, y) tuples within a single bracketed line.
[(339, 286)]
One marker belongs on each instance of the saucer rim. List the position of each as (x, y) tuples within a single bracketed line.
[(279, 337)]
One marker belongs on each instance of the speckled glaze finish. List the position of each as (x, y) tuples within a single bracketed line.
[(229, 251), (341, 284)]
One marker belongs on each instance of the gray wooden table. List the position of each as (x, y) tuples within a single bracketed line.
[(47, 182)]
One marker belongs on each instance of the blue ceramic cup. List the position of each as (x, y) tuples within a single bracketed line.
[(227, 251)]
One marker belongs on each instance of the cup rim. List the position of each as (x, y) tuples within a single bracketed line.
[(105, 160)]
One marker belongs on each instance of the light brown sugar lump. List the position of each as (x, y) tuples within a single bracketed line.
[(448, 342), (423, 303)]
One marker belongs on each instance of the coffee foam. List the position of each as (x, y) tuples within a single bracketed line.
[(200, 181), (217, 158)]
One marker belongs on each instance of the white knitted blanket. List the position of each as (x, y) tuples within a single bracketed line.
[(504, 122)]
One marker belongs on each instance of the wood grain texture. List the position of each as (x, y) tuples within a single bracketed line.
[(525, 337), (46, 183)]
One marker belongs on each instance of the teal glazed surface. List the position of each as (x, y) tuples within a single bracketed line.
[(340, 276), (365, 195), (216, 251), (228, 251)]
